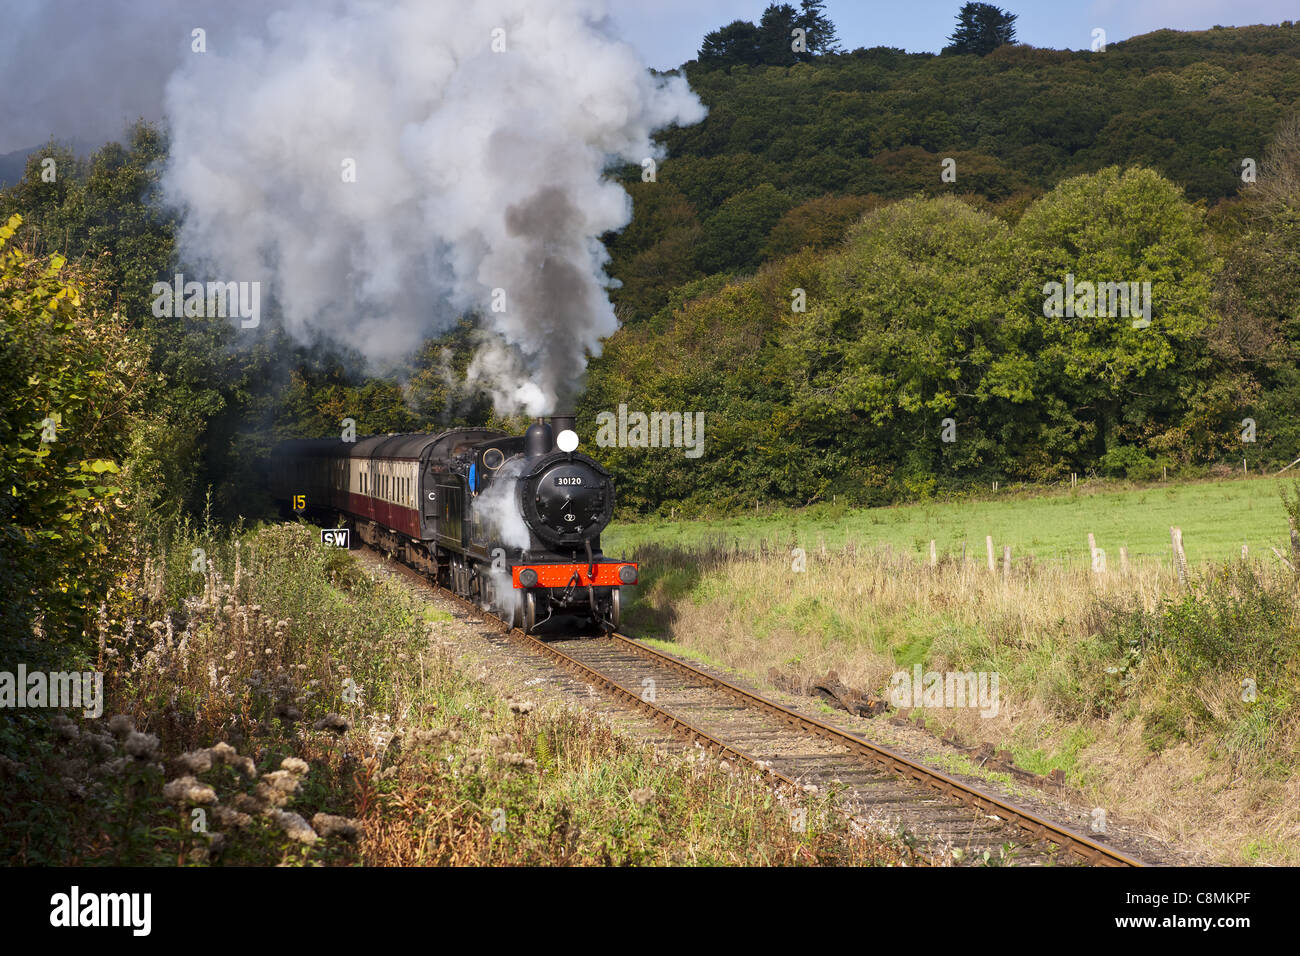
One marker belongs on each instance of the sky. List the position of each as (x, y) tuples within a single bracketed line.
[(83, 69), (668, 32)]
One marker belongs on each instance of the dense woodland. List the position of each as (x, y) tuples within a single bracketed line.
[(923, 299)]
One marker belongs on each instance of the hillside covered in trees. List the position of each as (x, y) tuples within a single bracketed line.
[(1118, 165)]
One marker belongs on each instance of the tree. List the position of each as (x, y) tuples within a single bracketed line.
[(771, 42), (71, 389), (1103, 379), (734, 234), (817, 224), (776, 36), (1259, 299), (981, 28), (901, 339), (821, 37), (737, 42)]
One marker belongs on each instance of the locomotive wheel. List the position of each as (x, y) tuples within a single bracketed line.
[(529, 622), (615, 608)]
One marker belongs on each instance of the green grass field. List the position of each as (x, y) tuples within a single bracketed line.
[(1217, 517)]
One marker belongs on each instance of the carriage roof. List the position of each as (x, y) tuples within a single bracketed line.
[(405, 447)]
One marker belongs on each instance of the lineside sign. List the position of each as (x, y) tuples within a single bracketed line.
[(336, 537)]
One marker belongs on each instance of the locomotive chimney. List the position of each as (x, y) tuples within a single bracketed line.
[(561, 423), (539, 440)]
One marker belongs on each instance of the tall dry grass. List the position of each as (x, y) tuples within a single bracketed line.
[(1128, 681), (273, 704)]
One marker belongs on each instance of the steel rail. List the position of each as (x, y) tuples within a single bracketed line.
[(1077, 843), (1092, 851)]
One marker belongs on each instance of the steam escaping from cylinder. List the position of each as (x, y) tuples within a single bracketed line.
[(383, 169), (498, 509)]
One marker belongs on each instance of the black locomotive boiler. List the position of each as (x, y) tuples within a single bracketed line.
[(512, 522)]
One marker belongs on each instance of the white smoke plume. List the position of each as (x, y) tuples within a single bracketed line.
[(479, 135), (498, 508)]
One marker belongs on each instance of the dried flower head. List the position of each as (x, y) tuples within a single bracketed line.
[(248, 804), (294, 765), (64, 727), (141, 746), (188, 790), (424, 738), (278, 787), (195, 761), (231, 818), (520, 761), (101, 745), (328, 825), (334, 723), (121, 725), (224, 753), (287, 712), (294, 826)]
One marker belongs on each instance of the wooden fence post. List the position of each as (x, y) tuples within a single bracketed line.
[(1098, 556), (988, 540), (934, 555), (1006, 562)]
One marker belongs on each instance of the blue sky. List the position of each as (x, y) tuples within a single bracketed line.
[(668, 32), (114, 56)]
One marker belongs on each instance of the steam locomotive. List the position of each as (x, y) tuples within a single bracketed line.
[(512, 522)]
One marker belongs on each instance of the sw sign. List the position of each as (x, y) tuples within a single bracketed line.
[(336, 537)]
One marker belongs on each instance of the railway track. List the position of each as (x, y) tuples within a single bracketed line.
[(941, 817)]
